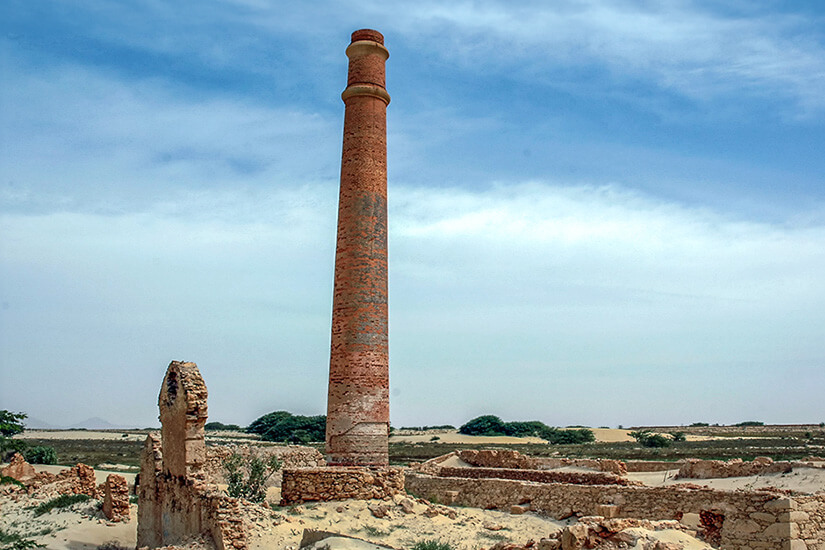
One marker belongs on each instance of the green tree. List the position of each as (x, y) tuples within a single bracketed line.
[(289, 428), (40, 455), (483, 425), (11, 424), (650, 439)]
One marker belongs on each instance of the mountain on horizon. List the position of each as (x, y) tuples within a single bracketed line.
[(32, 423), (95, 423)]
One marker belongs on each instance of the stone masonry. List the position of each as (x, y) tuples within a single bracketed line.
[(175, 501), (358, 398)]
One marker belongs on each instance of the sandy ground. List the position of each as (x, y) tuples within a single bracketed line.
[(607, 435), (803, 480)]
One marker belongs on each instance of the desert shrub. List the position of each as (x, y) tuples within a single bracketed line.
[(555, 436), (650, 439), (247, 477), (289, 428), (8, 480), (749, 423), (524, 429), (425, 428), (678, 436), (13, 541), (60, 502), (218, 426), (432, 545), (699, 424), (483, 425), (40, 455)]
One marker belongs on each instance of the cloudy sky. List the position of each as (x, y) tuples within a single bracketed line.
[(601, 213)]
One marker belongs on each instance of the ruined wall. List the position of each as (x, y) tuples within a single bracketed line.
[(808, 514), (749, 520), (652, 465), (539, 476), (498, 458), (695, 468), (338, 483), (175, 501), (116, 498), (601, 464)]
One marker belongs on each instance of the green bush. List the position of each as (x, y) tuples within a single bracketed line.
[(13, 541), (218, 426), (432, 545), (749, 423), (493, 425), (555, 436), (289, 428), (247, 477), (40, 455), (650, 439), (59, 502), (483, 425), (678, 436), (8, 480)]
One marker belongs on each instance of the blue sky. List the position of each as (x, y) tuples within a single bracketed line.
[(600, 212)]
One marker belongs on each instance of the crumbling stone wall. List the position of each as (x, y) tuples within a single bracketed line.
[(695, 468), (808, 513), (750, 520), (116, 498), (539, 476), (498, 458), (338, 483), (601, 464), (652, 465), (175, 501), (18, 468)]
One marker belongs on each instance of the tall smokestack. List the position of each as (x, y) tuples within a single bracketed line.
[(358, 406)]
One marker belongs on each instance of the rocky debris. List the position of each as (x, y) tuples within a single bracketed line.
[(517, 509), (116, 498), (313, 539), (19, 469), (605, 534), (379, 510), (694, 468), (79, 479), (406, 505)]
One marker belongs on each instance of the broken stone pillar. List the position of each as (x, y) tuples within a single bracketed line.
[(358, 411), (116, 498), (182, 404)]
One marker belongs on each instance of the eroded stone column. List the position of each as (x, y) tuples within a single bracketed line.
[(358, 412)]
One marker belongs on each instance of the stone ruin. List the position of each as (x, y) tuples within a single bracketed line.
[(176, 502), (732, 520), (77, 480)]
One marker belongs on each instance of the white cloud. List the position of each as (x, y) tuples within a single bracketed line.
[(676, 45), (518, 288)]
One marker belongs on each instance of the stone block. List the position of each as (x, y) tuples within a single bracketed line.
[(780, 505), (793, 516), (782, 531)]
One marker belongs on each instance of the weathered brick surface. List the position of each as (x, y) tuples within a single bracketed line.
[(18, 468), (695, 468), (358, 398), (175, 502), (539, 476), (116, 498), (339, 483), (749, 520)]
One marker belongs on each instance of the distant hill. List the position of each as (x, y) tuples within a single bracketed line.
[(95, 423)]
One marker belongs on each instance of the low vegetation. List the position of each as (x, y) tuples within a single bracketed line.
[(289, 428), (11, 424), (63, 501), (432, 545), (40, 454), (13, 541), (218, 426), (491, 425), (247, 476)]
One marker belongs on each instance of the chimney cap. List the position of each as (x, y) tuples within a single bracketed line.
[(368, 34)]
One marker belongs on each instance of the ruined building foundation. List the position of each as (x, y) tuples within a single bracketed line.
[(358, 412), (175, 501)]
